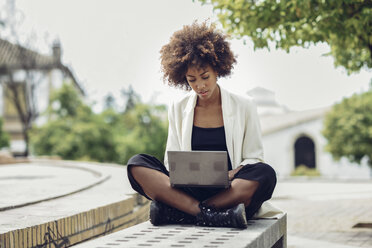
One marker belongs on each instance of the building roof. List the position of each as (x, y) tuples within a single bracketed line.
[(263, 96), (266, 102), (16, 57), (274, 123)]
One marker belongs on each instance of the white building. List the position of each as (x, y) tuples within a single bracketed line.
[(292, 138)]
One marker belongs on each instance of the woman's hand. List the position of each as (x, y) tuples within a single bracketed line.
[(233, 172)]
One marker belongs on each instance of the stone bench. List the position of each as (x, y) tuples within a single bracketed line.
[(262, 233)]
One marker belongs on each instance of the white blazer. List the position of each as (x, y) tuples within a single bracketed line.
[(242, 131)]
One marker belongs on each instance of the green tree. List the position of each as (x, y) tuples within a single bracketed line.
[(131, 98), (67, 102), (140, 128), (109, 102), (348, 128), (146, 132), (346, 25), (75, 132), (76, 139)]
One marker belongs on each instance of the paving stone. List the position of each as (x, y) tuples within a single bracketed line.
[(298, 242), (315, 213)]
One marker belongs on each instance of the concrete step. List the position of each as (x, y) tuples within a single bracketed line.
[(61, 203)]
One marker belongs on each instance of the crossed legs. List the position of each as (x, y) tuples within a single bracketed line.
[(157, 186)]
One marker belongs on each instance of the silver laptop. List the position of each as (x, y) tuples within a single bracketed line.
[(198, 169)]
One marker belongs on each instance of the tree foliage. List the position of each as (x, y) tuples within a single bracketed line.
[(348, 128), (67, 102), (146, 131), (75, 138), (109, 102), (75, 132), (346, 25), (131, 97)]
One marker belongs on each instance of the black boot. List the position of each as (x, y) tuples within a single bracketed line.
[(233, 217), (162, 214)]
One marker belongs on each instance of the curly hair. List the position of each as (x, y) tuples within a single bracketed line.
[(197, 45)]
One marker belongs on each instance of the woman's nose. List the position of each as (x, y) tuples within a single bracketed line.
[(200, 85)]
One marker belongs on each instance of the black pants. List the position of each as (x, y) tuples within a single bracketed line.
[(263, 173)]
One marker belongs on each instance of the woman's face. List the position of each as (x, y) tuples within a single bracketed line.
[(203, 81)]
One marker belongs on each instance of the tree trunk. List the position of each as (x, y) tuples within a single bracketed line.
[(24, 115), (26, 138)]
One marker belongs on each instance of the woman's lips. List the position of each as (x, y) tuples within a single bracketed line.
[(203, 93)]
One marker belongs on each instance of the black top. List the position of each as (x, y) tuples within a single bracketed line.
[(209, 139)]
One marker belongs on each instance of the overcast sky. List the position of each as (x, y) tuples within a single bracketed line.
[(112, 44)]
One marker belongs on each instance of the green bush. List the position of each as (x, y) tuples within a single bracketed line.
[(303, 170), (4, 137), (75, 132), (348, 128), (75, 139)]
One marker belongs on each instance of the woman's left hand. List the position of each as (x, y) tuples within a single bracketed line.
[(233, 172)]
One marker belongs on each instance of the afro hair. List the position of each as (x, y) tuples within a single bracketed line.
[(197, 45)]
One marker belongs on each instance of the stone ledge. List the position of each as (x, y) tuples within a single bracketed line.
[(263, 233), (37, 177), (79, 227)]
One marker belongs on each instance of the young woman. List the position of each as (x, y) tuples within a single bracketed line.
[(208, 118)]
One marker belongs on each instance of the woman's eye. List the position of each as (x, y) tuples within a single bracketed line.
[(205, 78), (191, 81)]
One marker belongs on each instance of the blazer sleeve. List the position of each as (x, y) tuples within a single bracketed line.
[(252, 151), (173, 143)]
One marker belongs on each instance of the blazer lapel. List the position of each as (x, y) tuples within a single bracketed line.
[(187, 122), (228, 120)]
